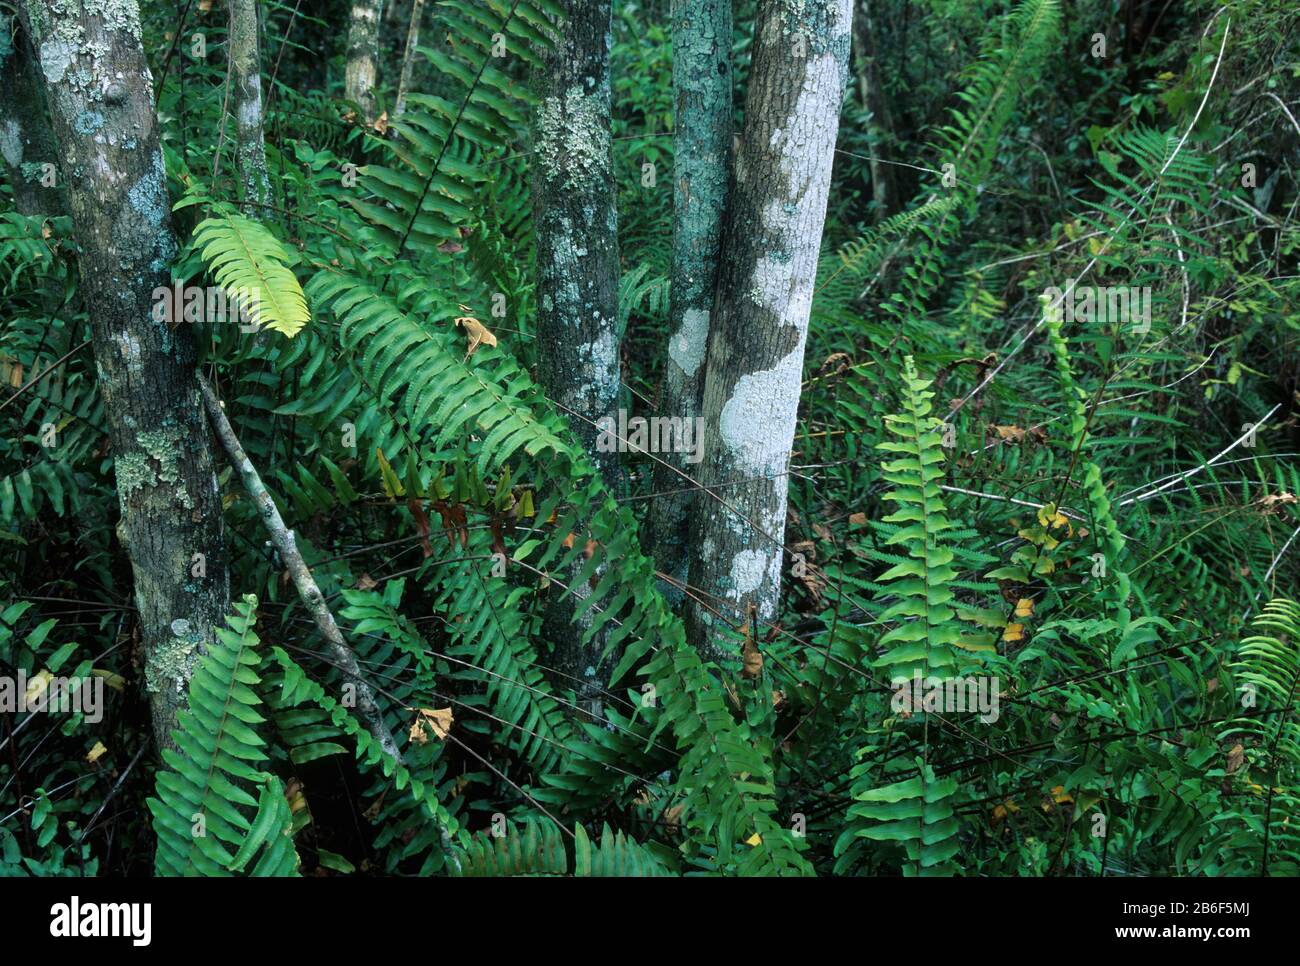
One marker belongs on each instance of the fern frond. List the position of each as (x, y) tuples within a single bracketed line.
[(201, 813), (252, 266)]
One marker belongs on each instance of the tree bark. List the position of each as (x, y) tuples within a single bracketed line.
[(246, 81), (101, 101), (702, 133), (754, 365), (884, 187), (26, 140), (362, 71), (578, 270), (408, 57)]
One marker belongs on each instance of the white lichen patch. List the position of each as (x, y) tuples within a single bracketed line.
[(690, 342), (749, 572), (758, 420), (11, 143), (56, 58), (771, 283)]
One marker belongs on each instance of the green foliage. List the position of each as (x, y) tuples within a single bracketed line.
[(951, 522), (204, 797), (253, 267)]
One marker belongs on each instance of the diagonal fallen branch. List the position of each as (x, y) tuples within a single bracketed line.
[(282, 537)]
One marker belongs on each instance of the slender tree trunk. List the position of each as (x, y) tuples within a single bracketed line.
[(246, 82), (362, 70), (884, 189), (702, 132), (578, 268), (408, 57), (101, 100), (756, 342), (26, 140)]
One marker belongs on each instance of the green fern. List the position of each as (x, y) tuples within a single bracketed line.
[(201, 814), (253, 266)]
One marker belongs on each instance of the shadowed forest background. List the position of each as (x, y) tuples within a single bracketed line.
[(564, 437)]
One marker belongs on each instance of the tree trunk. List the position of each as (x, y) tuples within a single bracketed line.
[(884, 188), (362, 70), (756, 342), (578, 268), (101, 104), (246, 80), (702, 133), (408, 57), (26, 141)]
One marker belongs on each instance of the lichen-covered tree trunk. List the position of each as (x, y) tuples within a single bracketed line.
[(578, 271), (362, 71), (408, 57), (701, 38), (246, 85), (100, 94), (26, 141), (760, 325)]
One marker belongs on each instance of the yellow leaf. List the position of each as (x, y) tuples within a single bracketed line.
[(1013, 633), (392, 485), (755, 840), (1000, 812), (114, 681), (1050, 517), (36, 687), (1024, 607), (96, 753), (1059, 795)]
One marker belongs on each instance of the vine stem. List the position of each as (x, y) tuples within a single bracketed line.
[(343, 657)]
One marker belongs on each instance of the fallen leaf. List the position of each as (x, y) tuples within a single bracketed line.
[(381, 123), (1236, 757), (475, 332), (366, 582), (753, 659), (857, 519), (439, 719)]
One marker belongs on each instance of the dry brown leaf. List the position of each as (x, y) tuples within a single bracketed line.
[(753, 660), (476, 333), (381, 123), (1236, 758), (439, 719), (1275, 501), (857, 519)]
